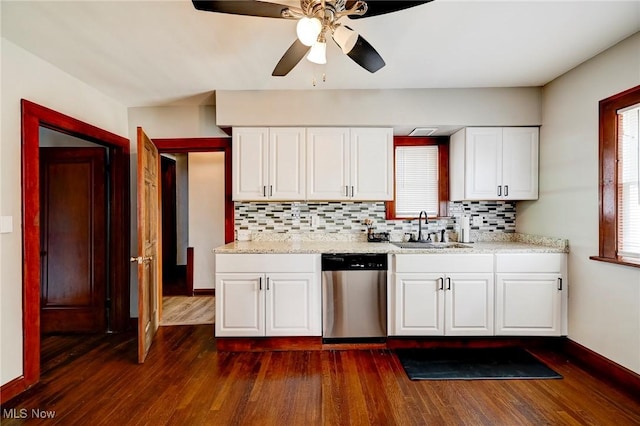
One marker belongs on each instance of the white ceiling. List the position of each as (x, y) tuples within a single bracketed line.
[(145, 53)]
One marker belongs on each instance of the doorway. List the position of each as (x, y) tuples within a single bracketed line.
[(201, 163), (34, 118)]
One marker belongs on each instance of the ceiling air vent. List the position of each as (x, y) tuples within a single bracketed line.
[(423, 131)]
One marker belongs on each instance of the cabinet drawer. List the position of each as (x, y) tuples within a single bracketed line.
[(265, 263), (530, 262), (448, 263)]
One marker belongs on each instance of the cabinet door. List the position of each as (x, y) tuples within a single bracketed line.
[(520, 163), (469, 304), (419, 305), (287, 163), (483, 160), (250, 160), (239, 305), (292, 305), (371, 164), (328, 164), (528, 304)]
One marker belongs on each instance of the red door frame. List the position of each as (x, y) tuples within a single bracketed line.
[(33, 117)]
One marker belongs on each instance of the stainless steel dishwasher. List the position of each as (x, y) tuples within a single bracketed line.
[(354, 297)]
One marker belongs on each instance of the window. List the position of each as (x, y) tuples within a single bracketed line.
[(628, 190), (421, 177), (619, 192)]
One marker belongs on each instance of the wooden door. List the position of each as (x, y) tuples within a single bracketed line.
[(73, 240), (149, 259)]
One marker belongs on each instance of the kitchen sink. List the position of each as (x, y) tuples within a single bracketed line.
[(430, 245)]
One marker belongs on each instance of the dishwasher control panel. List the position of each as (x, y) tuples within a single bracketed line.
[(354, 262)]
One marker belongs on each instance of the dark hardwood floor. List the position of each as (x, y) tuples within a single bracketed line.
[(185, 381)]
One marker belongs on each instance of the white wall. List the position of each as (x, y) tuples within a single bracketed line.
[(206, 213), (26, 76), (397, 108), (182, 207), (604, 299)]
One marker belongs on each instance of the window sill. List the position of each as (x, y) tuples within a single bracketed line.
[(625, 261)]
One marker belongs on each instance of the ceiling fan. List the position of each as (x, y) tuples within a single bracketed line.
[(316, 18)]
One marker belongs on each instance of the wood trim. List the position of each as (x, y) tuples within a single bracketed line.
[(471, 342), (625, 261), (190, 270), (186, 145), (11, 389), (443, 168), (261, 344), (34, 116), (204, 292), (608, 172), (258, 344), (603, 368)]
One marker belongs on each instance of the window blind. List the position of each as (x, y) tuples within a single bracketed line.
[(416, 180), (628, 182)]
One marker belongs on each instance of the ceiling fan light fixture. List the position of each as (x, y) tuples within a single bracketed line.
[(345, 37), (308, 30), (318, 53)]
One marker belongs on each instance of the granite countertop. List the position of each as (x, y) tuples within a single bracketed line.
[(513, 243)]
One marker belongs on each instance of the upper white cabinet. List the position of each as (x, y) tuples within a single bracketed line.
[(268, 163), (494, 163), (349, 164), (531, 294), (436, 295)]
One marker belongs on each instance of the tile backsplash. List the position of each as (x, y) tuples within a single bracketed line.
[(348, 217)]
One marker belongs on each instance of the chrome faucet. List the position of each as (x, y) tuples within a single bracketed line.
[(426, 222)]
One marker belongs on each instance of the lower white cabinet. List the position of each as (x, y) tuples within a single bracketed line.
[(265, 302), (531, 294), (458, 302)]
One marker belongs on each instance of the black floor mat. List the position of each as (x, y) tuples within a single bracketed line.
[(473, 364)]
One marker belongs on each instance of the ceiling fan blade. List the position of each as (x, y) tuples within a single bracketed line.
[(366, 56), (380, 7), (290, 59), (242, 7)]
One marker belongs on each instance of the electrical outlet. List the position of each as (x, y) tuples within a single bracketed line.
[(6, 224), (477, 220), (315, 221)]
